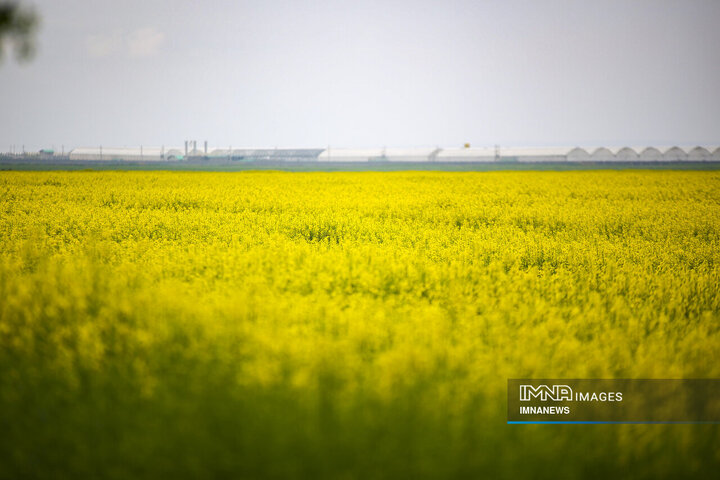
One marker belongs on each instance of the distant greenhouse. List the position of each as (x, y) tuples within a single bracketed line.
[(534, 154), (651, 154), (157, 154), (602, 154), (143, 154), (578, 154), (408, 155), (276, 154), (699, 154), (626, 154), (674, 154), (465, 155), (352, 155)]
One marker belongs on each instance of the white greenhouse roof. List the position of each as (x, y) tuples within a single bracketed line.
[(534, 151), (121, 150), (467, 152), (339, 153)]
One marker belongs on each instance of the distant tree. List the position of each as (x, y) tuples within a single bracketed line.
[(17, 27)]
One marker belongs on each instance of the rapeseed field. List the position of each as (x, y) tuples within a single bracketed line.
[(347, 325)]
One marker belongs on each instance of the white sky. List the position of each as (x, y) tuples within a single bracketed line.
[(366, 73)]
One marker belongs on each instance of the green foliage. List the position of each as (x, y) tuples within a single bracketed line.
[(18, 25)]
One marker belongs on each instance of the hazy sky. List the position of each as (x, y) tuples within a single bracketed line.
[(366, 73)]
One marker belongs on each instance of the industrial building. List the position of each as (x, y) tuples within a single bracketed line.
[(415, 155)]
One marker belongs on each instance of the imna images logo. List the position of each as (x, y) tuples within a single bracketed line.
[(554, 393)]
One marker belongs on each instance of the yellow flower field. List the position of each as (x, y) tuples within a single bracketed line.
[(347, 325)]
